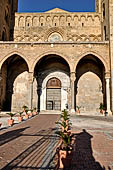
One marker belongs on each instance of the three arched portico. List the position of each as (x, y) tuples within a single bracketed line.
[(70, 66)]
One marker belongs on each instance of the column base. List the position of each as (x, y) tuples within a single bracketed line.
[(72, 111), (109, 112)]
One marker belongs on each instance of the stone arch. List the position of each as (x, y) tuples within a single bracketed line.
[(95, 68), (42, 21), (21, 21), (11, 66), (35, 21), (53, 30), (96, 55), (49, 53), (82, 18), (62, 20), (48, 66), (28, 21), (48, 20), (55, 21), (11, 54)]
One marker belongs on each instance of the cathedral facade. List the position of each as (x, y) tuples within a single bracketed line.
[(56, 59)]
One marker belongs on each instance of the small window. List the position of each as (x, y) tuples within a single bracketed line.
[(105, 35), (82, 24), (4, 36), (103, 11), (28, 24), (55, 24), (41, 24), (69, 24)]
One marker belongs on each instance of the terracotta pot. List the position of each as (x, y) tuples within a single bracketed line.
[(10, 122), (20, 118), (65, 158), (102, 111), (0, 124), (31, 114), (34, 113), (78, 111), (26, 116)]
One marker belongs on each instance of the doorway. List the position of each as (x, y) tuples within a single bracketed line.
[(53, 94)]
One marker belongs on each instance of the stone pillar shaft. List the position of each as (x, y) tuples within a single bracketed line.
[(108, 95), (30, 90), (72, 78)]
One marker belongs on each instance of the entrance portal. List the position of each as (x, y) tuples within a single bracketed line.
[(53, 99)]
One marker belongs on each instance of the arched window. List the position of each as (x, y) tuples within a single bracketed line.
[(103, 11), (54, 83), (4, 37)]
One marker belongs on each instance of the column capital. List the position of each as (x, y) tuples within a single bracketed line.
[(72, 76), (107, 75), (31, 77)]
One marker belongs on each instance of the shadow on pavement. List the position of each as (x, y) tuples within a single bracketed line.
[(39, 155), (11, 135), (83, 158)]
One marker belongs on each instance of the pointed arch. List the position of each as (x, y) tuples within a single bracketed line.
[(11, 54), (50, 53), (96, 55)]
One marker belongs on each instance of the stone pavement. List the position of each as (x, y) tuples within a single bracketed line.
[(29, 145), (93, 147), (32, 144)]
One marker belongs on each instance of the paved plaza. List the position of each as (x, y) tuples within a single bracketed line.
[(32, 144)]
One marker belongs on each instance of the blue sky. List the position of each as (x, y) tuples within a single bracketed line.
[(44, 5)]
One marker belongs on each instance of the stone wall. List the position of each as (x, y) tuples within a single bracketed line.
[(89, 93), (7, 10), (70, 26)]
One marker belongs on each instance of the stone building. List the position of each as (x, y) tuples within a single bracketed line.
[(56, 59)]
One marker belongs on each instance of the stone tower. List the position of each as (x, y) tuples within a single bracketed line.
[(7, 11), (111, 43)]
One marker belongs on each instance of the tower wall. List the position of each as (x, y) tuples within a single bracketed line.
[(7, 10)]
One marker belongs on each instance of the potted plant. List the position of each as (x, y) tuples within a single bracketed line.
[(11, 120), (78, 109), (20, 118), (34, 111), (102, 108), (26, 114), (65, 149), (25, 110), (31, 112)]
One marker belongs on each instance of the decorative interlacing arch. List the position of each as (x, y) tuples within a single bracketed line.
[(54, 30)]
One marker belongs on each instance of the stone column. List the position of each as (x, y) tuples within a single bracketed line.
[(31, 78), (0, 89), (72, 78), (108, 95)]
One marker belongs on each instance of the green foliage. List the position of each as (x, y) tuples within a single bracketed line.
[(20, 113), (26, 111), (64, 133), (34, 109), (11, 114), (66, 139), (78, 107), (65, 115), (24, 107), (102, 106)]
